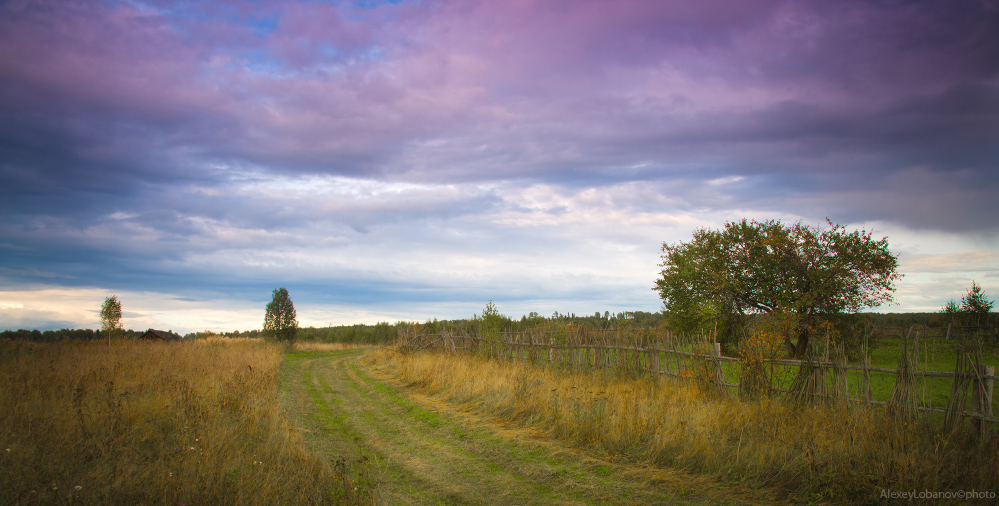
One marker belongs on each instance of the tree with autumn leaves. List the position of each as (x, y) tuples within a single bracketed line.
[(810, 274)]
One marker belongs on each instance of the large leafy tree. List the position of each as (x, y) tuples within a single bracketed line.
[(769, 267), (280, 319)]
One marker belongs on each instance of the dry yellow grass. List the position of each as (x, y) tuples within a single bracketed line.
[(823, 452), (154, 423), (315, 346)]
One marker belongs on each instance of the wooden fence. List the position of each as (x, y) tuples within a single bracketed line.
[(823, 375)]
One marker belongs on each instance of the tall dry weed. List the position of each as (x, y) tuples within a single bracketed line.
[(317, 346), (150, 422)]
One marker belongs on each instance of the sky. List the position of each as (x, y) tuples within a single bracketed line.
[(409, 160)]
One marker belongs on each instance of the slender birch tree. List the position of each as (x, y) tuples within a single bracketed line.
[(280, 319), (111, 317)]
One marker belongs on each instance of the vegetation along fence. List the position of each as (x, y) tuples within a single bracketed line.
[(762, 369)]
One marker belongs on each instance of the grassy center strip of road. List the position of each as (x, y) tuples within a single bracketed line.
[(422, 451)]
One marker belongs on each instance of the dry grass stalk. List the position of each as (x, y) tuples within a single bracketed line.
[(152, 422), (756, 372), (840, 383), (904, 399), (865, 386), (969, 363), (809, 384), (316, 346)]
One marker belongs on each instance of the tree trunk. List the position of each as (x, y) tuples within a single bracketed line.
[(791, 351), (799, 350), (802, 347)]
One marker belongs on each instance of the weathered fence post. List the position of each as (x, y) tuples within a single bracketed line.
[(596, 353), (719, 372), (667, 347), (648, 356), (990, 371), (866, 385), (981, 395), (903, 401), (654, 348), (639, 347)]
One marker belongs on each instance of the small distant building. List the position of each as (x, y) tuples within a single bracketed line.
[(160, 335)]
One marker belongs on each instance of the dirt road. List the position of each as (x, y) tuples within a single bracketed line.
[(421, 450)]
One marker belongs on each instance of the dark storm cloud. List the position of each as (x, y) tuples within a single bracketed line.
[(334, 90)]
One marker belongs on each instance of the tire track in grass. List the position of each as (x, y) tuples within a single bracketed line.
[(444, 444), (437, 456), (408, 433), (337, 430)]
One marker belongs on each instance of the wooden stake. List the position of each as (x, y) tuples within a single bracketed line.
[(981, 398), (866, 394)]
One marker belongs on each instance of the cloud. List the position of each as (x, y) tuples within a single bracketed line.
[(428, 154), (479, 91), (960, 262)]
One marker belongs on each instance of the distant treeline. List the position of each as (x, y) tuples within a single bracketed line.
[(63, 335), (385, 332), (595, 321), (380, 333), (646, 319)]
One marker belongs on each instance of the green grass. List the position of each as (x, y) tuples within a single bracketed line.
[(813, 453), (935, 354), (428, 454), (413, 411)]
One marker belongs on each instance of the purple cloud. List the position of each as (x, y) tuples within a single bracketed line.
[(187, 134)]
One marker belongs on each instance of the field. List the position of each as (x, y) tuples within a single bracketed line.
[(427, 450), (936, 354), (823, 452), (155, 423), (231, 421)]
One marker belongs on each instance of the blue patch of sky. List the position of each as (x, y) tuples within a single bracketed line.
[(374, 54), (184, 18), (263, 26), (328, 51), (363, 4), (374, 4), (178, 17), (332, 60), (259, 61)]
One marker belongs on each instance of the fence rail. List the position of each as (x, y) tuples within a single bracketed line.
[(657, 351)]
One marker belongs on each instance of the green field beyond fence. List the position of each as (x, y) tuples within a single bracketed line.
[(944, 373)]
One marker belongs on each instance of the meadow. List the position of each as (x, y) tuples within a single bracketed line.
[(243, 421), (156, 423), (935, 354), (806, 452)]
